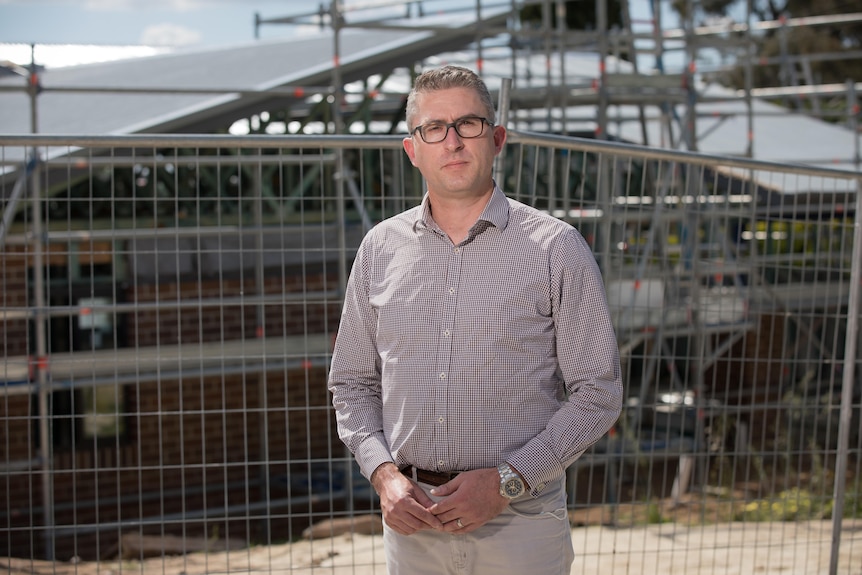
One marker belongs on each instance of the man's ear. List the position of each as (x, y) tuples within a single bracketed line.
[(499, 139), (408, 147)]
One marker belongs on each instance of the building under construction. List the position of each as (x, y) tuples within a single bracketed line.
[(177, 231)]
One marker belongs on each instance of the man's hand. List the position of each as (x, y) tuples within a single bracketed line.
[(404, 504), (473, 497)]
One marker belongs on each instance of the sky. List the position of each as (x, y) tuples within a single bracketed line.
[(158, 23), (163, 22), (175, 23), (154, 23)]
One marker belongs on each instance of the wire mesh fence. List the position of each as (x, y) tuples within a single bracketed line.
[(169, 305)]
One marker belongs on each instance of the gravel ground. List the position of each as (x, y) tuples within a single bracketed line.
[(800, 548)]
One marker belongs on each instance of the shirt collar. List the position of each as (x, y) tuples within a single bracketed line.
[(496, 212)]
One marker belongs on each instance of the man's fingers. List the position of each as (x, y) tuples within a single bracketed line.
[(410, 521), (446, 489), (421, 497)]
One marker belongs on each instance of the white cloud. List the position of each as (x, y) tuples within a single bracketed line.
[(59, 55), (127, 5), (168, 34)]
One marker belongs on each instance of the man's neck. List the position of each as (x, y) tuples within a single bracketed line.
[(456, 216)]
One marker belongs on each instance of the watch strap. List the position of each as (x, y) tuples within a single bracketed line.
[(511, 483)]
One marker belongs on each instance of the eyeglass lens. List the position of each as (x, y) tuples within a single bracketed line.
[(470, 127)]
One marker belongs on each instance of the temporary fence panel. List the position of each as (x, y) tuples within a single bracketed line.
[(169, 307)]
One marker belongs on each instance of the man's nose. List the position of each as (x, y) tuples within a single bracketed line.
[(453, 138)]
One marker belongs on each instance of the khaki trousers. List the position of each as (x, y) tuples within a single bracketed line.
[(531, 537)]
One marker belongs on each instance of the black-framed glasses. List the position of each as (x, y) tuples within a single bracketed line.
[(466, 127)]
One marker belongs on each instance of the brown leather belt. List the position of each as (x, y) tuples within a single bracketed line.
[(434, 478)]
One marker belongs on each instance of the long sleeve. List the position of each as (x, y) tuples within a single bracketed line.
[(355, 378), (588, 357)]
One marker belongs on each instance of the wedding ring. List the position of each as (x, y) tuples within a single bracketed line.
[(460, 525)]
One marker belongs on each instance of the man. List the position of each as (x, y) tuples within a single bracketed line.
[(475, 359)]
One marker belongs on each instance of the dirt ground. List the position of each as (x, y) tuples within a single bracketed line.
[(729, 548)]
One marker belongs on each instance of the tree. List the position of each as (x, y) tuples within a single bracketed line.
[(580, 14), (788, 56)]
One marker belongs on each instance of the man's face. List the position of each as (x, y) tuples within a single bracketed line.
[(456, 166)]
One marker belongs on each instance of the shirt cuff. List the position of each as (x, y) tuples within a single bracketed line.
[(371, 454), (537, 465)]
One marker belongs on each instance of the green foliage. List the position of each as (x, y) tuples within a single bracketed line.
[(782, 52), (853, 505), (799, 505), (791, 505), (580, 15), (654, 514)]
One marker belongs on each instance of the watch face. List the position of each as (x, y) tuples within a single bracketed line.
[(514, 487)]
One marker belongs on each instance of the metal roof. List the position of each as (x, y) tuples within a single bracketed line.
[(236, 82), (100, 99)]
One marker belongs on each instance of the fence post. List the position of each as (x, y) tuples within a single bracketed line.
[(503, 103), (844, 420)]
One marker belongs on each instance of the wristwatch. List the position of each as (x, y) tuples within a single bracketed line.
[(511, 484)]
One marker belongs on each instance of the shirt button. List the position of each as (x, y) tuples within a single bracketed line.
[(446, 333), (440, 463), (443, 375), (441, 419), (451, 290), (457, 250)]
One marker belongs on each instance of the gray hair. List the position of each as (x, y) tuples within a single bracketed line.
[(445, 78)]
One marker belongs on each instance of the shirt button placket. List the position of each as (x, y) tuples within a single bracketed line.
[(444, 355)]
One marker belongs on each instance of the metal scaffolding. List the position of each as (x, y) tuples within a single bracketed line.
[(534, 58), (678, 275)]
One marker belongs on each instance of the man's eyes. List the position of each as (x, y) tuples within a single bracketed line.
[(433, 128)]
